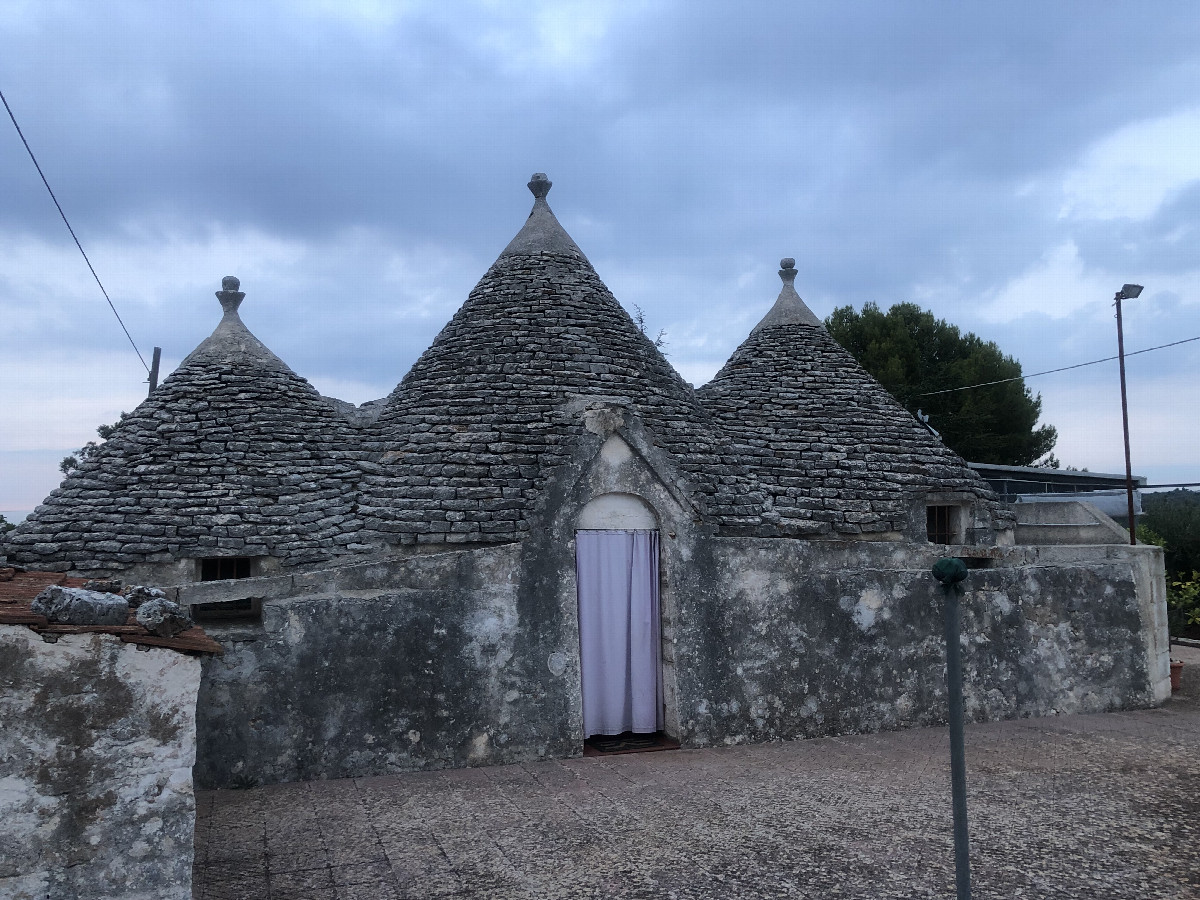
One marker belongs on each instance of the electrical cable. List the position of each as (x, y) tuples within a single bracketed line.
[(29, 150), (1052, 371)]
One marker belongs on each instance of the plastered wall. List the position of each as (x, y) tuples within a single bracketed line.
[(96, 754)]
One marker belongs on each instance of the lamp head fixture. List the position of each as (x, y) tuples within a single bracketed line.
[(1129, 292)]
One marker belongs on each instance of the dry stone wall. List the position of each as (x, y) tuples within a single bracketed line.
[(233, 455), (436, 661), (803, 640), (96, 755), (470, 435), (836, 453), (472, 657)]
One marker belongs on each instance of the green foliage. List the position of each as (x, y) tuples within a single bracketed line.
[(88, 450), (1147, 535), (5, 525), (1175, 515), (1183, 605), (1172, 521), (911, 353)]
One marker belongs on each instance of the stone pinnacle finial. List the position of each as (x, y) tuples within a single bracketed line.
[(789, 309), (787, 270), (540, 185), (229, 295)]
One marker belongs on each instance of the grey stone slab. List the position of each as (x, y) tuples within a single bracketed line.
[(248, 887), (368, 890), (309, 884)]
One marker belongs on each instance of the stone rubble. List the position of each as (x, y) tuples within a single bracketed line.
[(77, 606), (163, 617), (138, 594), (104, 586)]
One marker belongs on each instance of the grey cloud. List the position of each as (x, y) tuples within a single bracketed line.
[(883, 145)]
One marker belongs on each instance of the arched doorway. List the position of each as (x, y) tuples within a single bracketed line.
[(616, 560)]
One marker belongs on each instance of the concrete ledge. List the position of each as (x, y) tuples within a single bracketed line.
[(1066, 522)]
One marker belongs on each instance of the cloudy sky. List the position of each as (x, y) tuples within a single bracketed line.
[(360, 163)]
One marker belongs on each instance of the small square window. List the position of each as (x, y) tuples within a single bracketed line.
[(941, 524), (227, 568), (223, 568)]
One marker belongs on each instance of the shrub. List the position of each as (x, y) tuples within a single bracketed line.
[(1183, 606)]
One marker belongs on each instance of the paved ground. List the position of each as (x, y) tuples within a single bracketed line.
[(1102, 806)]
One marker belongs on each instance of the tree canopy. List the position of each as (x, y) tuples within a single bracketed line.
[(912, 353), (1175, 517)]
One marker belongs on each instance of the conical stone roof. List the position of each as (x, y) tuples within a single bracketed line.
[(836, 452), (473, 431), (232, 455)]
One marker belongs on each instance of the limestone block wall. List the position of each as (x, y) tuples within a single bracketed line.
[(96, 754), (431, 661), (471, 657), (807, 640)]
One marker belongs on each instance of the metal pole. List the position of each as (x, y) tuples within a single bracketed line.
[(154, 370), (1125, 421), (958, 760)]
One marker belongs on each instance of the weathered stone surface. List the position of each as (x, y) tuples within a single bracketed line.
[(139, 594), (104, 586), (486, 415), (235, 455), (163, 617), (538, 398), (410, 664), (96, 755), (232, 435), (78, 606), (835, 452), (802, 646), (427, 663)]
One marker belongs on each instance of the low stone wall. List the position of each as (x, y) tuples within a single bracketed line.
[(423, 662), (472, 657), (96, 755), (808, 640)]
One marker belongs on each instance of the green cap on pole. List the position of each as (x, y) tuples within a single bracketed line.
[(950, 570)]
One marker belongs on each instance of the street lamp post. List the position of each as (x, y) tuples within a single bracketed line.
[(1127, 292)]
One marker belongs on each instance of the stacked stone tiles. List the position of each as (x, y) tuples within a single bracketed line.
[(471, 434), (233, 455), (834, 450)]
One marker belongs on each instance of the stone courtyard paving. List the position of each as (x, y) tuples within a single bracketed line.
[(1097, 806)]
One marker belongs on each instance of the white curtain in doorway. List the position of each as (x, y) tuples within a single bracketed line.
[(619, 631)]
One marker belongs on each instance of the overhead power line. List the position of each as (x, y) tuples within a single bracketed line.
[(29, 150), (1052, 371)]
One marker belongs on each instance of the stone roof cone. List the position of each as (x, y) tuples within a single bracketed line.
[(541, 232), (789, 309), (470, 435), (232, 455), (843, 456)]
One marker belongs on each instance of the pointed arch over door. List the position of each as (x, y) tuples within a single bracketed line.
[(619, 623)]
